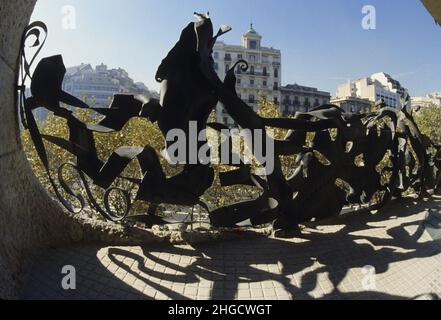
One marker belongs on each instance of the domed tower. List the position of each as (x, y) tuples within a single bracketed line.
[(251, 39)]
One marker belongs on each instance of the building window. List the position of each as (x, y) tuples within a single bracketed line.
[(265, 71), (296, 101), (253, 58), (307, 104), (276, 100), (239, 81), (252, 70), (227, 57), (227, 67), (216, 55), (239, 70), (253, 44), (276, 86), (252, 82), (239, 56), (251, 98), (265, 83), (276, 73)]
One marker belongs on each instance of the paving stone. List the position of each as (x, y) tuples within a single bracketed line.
[(191, 291), (204, 292), (244, 294), (257, 293)]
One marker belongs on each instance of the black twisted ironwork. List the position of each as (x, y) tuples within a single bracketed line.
[(190, 91)]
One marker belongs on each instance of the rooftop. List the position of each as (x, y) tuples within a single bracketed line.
[(297, 87)]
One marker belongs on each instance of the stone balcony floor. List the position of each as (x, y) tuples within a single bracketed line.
[(328, 262)]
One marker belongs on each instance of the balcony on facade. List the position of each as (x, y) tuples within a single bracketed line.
[(252, 73)]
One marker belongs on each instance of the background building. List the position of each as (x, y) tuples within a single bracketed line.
[(352, 104), (301, 98), (428, 100), (98, 86), (264, 76), (376, 87)]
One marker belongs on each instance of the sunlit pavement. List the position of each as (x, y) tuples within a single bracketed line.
[(332, 261)]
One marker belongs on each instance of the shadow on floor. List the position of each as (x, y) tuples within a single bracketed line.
[(292, 266)]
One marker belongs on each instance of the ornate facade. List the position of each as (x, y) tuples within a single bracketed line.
[(264, 76)]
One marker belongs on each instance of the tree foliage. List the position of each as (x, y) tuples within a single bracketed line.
[(429, 122)]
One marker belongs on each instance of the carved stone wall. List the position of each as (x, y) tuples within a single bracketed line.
[(28, 218)]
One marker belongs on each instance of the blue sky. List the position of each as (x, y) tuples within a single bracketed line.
[(322, 41)]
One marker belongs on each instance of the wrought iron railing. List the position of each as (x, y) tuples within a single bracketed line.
[(311, 193)]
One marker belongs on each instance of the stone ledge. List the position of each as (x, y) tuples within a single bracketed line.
[(89, 230)]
